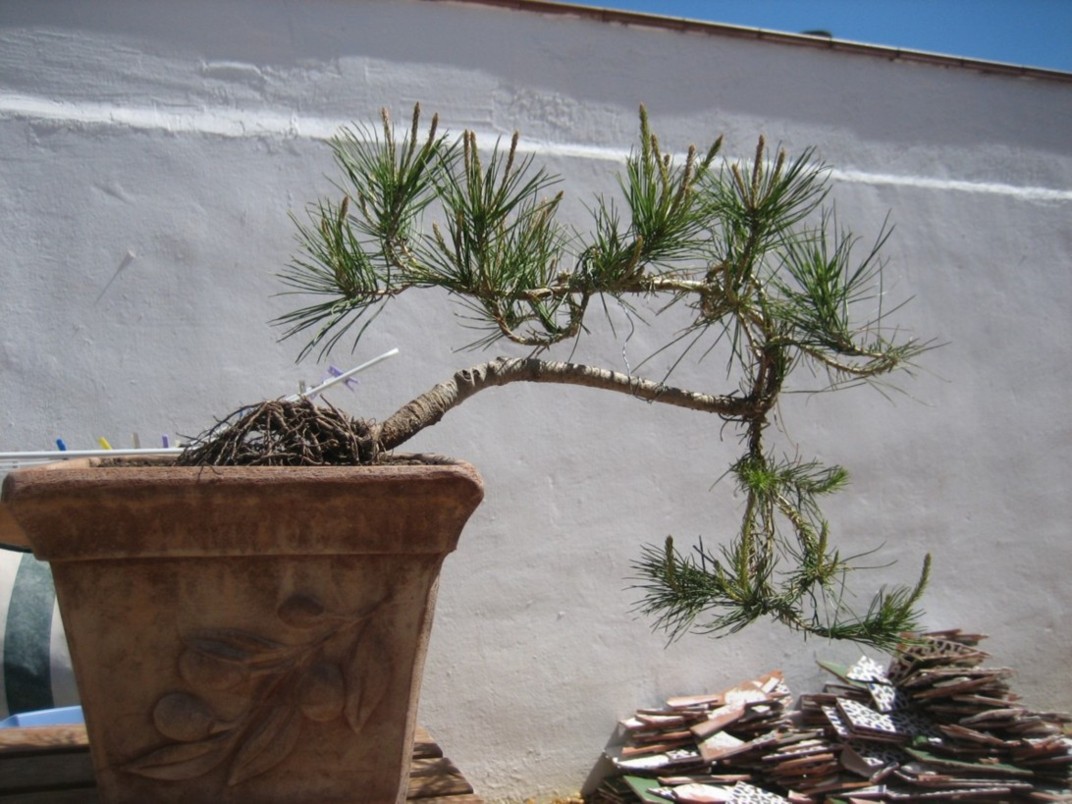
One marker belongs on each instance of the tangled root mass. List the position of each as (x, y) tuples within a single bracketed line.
[(283, 433)]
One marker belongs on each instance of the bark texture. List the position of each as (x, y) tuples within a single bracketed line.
[(431, 406)]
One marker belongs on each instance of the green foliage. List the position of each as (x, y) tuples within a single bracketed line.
[(501, 240), (751, 250), (782, 520)]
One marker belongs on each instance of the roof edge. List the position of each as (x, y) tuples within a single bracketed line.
[(686, 25)]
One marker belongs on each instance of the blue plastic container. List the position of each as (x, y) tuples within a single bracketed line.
[(62, 716)]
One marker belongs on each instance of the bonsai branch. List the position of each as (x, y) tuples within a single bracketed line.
[(432, 405), (750, 252)]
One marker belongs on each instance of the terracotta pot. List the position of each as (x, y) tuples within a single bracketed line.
[(246, 634)]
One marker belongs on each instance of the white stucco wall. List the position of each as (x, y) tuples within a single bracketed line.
[(151, 151)]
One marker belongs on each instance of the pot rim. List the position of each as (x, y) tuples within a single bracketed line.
[(102, 484)]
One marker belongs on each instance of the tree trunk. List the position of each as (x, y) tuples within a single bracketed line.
[(431, 406)]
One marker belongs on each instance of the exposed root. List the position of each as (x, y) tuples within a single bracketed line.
[(281, 433)]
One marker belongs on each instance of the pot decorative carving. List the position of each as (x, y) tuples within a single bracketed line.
[(247, 633)]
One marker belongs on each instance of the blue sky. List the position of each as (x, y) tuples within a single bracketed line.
[(1036, 33)]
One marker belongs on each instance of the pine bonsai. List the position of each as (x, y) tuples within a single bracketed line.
[(751, 251)]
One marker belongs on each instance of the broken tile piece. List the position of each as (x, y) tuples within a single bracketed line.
[(836, 722), (744, 793), (840, 671), (868, 759), (695, 793), (982, 768), (867, 669), (658, 762), (863, 721), (969, 736), (718, 719), (720, 745), (643, 788), (686, 701), (887, 697)]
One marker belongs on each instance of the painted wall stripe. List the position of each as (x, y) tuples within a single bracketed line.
[(928, 183), (236, 123)]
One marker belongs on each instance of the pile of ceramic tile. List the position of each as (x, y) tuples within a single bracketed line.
[(935, 725)]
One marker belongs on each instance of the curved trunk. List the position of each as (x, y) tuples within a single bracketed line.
[(431, 406)]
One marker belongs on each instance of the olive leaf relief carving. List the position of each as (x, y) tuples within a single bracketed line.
[(283, 685)]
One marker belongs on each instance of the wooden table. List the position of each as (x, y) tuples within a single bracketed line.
[(52, 764)]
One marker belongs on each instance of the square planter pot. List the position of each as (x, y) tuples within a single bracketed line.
[(246, 634)]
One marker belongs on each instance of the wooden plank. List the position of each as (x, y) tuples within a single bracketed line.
[(36, 739), (424, 747), (46, 765), (52, 764), (55, 770), (85, 795), (429, 778)]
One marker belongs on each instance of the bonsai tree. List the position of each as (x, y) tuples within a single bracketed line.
[(752, 253)]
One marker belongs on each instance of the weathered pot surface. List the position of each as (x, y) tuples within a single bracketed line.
[(248, 633)]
